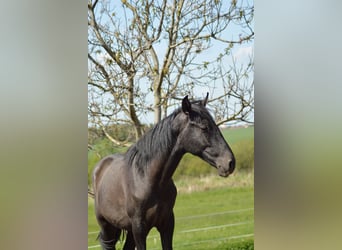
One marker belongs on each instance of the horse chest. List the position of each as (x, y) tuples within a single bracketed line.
[(158, 211), (152, 204)]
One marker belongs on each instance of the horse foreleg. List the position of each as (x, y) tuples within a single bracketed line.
[(139, 233), (129, 243), (166, 232)]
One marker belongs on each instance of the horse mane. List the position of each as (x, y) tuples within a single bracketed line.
[(159, 140), (155, 142)]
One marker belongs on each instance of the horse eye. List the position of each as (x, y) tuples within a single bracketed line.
[(204, 127), (200, 125)]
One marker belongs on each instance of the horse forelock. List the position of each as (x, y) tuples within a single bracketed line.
[(200, 112)]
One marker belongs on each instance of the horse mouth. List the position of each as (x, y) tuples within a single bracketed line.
[(221, 170), (224, 172)]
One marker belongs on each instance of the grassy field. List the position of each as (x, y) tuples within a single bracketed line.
[(234, 135), (218, 217), (211, 212)]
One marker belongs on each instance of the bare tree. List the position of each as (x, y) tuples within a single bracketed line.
[(159, 50)]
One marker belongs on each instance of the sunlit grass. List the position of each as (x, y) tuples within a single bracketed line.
[(217, 213)]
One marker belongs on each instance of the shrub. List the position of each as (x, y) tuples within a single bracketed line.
[(192, 166), (244, 154)]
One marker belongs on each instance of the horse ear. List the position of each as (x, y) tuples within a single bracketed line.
[(186, 105), (205, 101)]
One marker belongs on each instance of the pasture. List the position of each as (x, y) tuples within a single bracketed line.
[(215, 218), (234, 135), (210, 212)]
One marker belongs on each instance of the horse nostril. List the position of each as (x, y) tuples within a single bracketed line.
[(231, 165)]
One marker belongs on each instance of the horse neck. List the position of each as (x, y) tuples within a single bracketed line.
[(168, 166), (165, 162)]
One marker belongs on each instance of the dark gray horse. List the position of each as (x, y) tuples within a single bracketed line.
[(135, 191)]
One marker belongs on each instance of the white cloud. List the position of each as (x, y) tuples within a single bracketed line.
[(243, 53)]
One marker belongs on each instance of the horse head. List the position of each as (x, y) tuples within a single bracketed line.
[(200, 136)]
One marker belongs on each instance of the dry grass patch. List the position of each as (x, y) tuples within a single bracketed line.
[(195, 184)]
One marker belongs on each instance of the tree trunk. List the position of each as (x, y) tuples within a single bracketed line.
[(132, 112), (157, 104)]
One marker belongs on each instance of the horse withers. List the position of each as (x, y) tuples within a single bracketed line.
[(134, 191)]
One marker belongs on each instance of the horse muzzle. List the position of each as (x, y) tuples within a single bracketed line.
[(224, 170)]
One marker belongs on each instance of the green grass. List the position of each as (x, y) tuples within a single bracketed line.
[(214, 218), (234, 135)]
